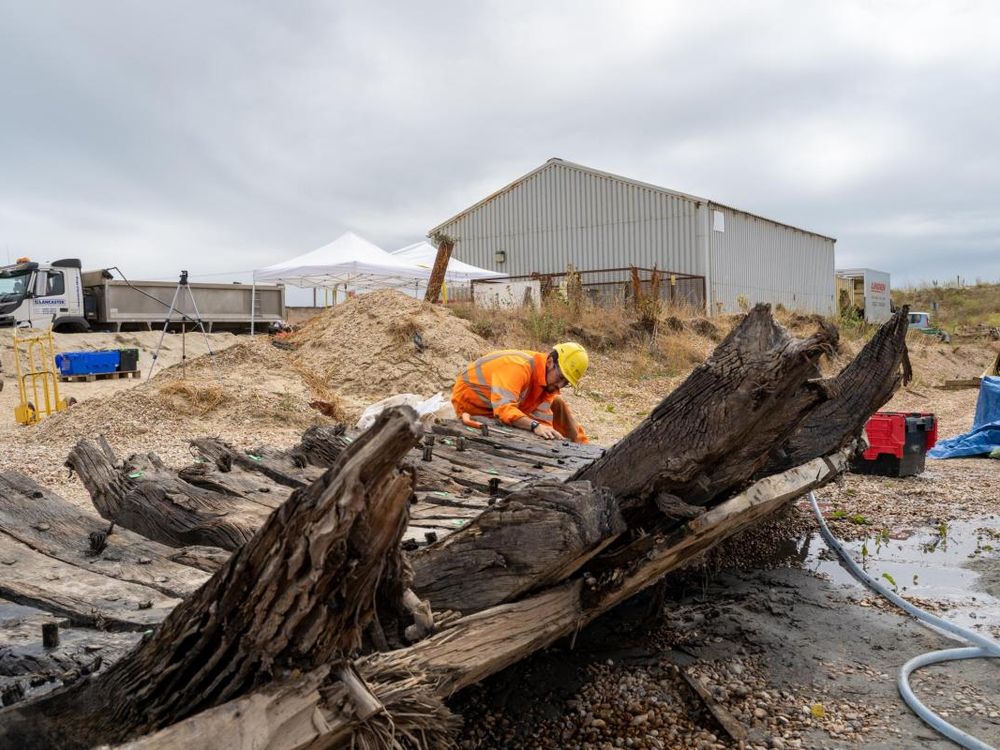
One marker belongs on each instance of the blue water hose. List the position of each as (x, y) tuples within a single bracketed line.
[(983, 646)]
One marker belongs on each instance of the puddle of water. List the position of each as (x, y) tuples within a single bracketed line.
[(953, 564)]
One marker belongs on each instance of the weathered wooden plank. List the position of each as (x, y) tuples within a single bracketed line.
[(280, 466), (85, 597), (253, 487), (427, 534), (429, 511), (530, 539), (49, 524), (282, 717), (730, 412), (315, 711), (143, 495), (507, 442), (295, 598), (857, 392)]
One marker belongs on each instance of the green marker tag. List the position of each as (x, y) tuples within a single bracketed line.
[(439, 493), (472, 429), (252, 457), (492, 471), (136, 474), (448, 441)]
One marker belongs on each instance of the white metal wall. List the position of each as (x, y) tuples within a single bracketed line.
[(768, 262), (565, 215)]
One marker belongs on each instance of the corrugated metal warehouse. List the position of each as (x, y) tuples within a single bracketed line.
[(565, 213)]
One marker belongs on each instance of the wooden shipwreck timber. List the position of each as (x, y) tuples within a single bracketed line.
[(335, 594)]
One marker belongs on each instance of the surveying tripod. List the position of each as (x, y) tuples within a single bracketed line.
[(182, 286)]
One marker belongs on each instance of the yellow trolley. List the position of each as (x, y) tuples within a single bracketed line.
[(37, 379)]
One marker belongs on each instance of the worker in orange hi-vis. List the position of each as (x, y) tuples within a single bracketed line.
[(521, 389)]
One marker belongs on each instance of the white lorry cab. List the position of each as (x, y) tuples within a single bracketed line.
[(39, 295)]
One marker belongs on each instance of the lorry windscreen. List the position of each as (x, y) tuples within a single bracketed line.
[(14, 284)]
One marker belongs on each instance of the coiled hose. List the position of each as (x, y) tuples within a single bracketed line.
[(983, 646)]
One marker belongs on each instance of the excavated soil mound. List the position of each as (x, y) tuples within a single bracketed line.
[(384, 343), (247, 387), (250, 394)]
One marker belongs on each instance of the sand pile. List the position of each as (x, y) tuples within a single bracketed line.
[(249, 387), (249, 394), (384, 343)]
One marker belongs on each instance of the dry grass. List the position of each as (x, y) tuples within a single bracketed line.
[(192, 397), (325, 401), (405, 328)]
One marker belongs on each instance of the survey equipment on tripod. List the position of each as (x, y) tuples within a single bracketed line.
[(183, 288)]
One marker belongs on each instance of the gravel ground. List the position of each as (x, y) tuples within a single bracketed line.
[(788, 656)]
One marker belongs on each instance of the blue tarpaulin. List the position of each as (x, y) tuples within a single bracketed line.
[(984, 437)]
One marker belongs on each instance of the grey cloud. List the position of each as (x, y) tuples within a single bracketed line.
[(226, 135)]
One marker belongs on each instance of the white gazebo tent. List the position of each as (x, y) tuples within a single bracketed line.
[(349, 260), (423, 255)]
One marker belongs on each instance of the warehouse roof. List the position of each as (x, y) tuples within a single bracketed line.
[(556, 162)]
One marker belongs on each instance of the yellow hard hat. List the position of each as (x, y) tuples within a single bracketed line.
[(573, 361)]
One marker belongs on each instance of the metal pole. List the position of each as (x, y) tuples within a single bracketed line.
[(253, 303)]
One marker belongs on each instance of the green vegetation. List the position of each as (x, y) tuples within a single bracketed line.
[(968, 305)]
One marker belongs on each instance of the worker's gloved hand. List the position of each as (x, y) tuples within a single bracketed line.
[(547, 433)]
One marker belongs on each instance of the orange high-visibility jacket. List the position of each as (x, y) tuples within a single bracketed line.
[(508, 385)]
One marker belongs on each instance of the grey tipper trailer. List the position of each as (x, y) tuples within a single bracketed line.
[(60, 295), (113, 304)]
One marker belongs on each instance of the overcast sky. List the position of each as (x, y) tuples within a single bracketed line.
[(222, 136)]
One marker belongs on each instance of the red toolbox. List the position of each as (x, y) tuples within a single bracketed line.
[(898, 443)]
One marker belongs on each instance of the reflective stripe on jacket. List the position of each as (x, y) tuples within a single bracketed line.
[(505, 384)]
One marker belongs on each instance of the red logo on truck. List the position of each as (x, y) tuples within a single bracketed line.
[(878, 286)]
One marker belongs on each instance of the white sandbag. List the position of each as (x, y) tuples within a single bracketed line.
[(427, 409)]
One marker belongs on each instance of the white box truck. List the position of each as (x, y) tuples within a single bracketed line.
[(60, 294), (866, 291)]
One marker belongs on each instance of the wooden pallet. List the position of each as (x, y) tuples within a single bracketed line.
[(958, 385), (91, 377)]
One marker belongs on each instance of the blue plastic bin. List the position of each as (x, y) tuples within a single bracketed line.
[(88, 363)]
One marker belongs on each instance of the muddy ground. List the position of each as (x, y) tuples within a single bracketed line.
[(790, 656)]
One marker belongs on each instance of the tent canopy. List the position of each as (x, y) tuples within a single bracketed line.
[(349, 259), (423, 255)]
